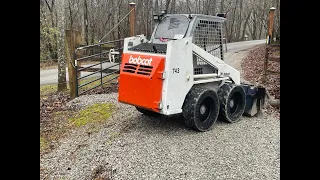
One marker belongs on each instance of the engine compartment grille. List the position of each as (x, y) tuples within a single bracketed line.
[(139, 69), (130, 68), (150, 47)]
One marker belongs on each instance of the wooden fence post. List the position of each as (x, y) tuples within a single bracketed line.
[(269, 38), (265, 65), (132, 18), (270, 24), (73, 39)]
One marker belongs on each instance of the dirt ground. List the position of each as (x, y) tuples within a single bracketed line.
[(252, 66)]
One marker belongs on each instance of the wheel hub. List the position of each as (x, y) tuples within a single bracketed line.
[(203, 109), (231, 103)]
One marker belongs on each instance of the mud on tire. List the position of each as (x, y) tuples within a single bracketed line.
[(201, 108), (232, 102)]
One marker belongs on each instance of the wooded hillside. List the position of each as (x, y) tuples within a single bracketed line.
[(246, 19)]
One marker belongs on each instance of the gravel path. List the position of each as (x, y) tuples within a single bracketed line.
[(133, 146)]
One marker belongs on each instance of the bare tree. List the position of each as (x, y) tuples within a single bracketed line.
[(245, 25), (85, 19), (239, 21), (62, 85), (97, 17), (167, 5)]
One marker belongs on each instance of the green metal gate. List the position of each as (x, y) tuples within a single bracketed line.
[(105, 66)]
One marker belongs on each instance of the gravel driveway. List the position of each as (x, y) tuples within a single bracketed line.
[(134, 146)]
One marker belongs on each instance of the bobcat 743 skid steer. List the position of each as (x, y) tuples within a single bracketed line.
[(181, 69)]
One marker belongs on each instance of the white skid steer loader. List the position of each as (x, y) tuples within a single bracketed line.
[(181, 70)]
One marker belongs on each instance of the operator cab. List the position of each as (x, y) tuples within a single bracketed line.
[(170, 27), (206, 32)]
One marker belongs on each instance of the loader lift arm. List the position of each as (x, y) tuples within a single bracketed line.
[(224, 70)]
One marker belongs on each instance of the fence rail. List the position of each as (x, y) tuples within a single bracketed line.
[(269, 58), (106, 67)]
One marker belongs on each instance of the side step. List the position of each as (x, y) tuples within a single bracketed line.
[(255, 99)]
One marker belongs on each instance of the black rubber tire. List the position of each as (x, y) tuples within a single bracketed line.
[(147, 112), (194, 115), (231, 113)]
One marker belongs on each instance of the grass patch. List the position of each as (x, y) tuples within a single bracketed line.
[(45, 67), (95, 113), (55, 121), (47, 89), (44, 144), (97, 82), (48, 64)]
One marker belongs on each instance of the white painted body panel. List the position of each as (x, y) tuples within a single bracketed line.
[(177, 85), (135, 40)]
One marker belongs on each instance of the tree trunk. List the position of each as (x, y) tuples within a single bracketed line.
[(55, 36), (54, 26), (173, 7), (92, 26), (277, 21), (167, 5), (119, 18), (62, 83), (214, 4), (92, 33), (51, 44), (112, 23), (221, 6), (86, 22), (142, 26), (156, 7), (239, 22), (254, 31), (70, 14), (232, 24), (262, 18), (260, 30), (245, 26), (206, 7), (147, 19), (188, 7)]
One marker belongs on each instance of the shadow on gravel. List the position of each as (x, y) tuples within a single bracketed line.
[(163, 123), (172, 124)]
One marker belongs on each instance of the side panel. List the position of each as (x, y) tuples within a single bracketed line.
[(140, 81), (179, 75)]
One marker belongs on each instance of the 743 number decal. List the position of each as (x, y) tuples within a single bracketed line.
[(175, 70)]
